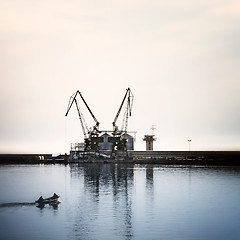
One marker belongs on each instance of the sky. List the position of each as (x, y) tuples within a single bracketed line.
[(180, 58)]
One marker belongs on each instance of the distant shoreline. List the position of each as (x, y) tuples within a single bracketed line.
[(207, 158)]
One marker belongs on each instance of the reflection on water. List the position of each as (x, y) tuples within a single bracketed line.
[(105, 193), (54, 206), (120, 201)]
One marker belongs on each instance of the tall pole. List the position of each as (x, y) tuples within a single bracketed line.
[(153, 128), (189, 140)]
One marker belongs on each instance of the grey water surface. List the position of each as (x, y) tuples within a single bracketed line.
[(120, 201)]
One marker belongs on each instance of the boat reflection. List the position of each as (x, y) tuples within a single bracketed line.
[(43, 205)]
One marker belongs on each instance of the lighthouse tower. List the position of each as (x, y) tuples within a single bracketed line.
[(149, 138)]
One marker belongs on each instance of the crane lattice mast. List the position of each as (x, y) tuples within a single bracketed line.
[(119, 138), (91, 135), (128, 110)]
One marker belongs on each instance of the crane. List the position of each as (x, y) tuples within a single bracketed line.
[(91, 135), (119, 139)]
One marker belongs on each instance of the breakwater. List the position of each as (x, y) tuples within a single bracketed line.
[(24, 158), (221, 158)]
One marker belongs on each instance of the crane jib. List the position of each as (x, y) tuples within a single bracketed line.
[(127, 113), (88, 108), (85, 129)]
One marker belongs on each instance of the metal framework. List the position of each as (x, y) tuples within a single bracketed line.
[(119, 139), (91, 135)]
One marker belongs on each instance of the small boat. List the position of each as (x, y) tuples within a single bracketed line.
[(55, 199)]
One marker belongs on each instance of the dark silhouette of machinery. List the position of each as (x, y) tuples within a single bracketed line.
[(91, 135), (119, 136)]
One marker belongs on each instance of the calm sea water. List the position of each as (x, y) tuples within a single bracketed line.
[(118, 201)]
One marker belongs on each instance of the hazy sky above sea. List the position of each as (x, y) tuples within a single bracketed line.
[(180, 58)]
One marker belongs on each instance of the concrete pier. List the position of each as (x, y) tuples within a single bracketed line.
[(24, 158), (224, 158)]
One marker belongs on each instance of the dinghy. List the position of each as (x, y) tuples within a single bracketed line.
[(55, 199)]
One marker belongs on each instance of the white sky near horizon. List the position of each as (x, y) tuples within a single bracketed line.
[(180, 58)]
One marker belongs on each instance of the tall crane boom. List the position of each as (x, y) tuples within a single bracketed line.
[(119, 137), (129, 96), (70, 103), (120, 108), (96, 121), (82, 121), (91, 135), (73, 99)]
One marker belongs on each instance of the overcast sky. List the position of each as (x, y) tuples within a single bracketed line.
[(180, 58)]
